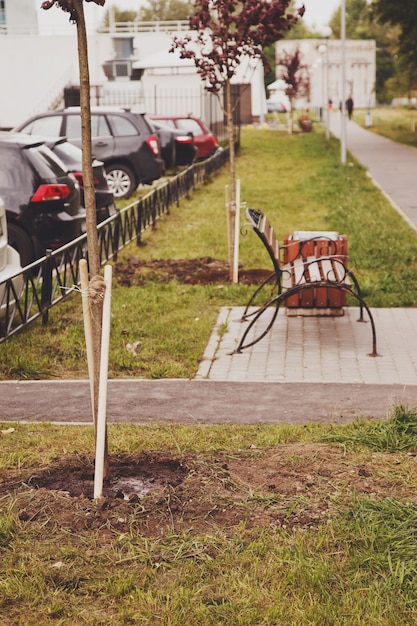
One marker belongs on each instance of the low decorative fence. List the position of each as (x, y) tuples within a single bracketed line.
[(30, 295)]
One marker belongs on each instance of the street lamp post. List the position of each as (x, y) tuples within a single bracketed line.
[(343, 103), (324, 50), (324, 120), (327, 33), (327, 93)]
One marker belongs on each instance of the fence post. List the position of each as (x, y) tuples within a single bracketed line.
[(154, 208), (46, 295), (116, 234), (139, 218)]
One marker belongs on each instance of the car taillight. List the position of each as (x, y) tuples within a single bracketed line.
[(184, 139), (80, 179), (153, 144), (51, 192)]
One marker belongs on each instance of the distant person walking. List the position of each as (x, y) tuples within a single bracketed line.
[(349, 107)]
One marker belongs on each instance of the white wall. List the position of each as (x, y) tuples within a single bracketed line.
[(324, 60), (40, 66), (21, 14)]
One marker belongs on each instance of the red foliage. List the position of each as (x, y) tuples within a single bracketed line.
[(294, 73), (68, 6), (227, 30)]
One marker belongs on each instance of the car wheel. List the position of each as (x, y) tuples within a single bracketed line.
[(121, 180), (20, 241)]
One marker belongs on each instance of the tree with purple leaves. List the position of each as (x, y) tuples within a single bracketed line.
[(296, 77), (225, 33)]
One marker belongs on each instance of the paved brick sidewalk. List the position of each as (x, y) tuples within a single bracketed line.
[(317, 349)]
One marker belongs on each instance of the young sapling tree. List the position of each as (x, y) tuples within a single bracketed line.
[(296, 76), (224, 33), (75, 8)]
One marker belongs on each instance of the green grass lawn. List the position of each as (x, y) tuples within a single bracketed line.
[(396, 123), (325, 535), (319, 528), (299, 183)]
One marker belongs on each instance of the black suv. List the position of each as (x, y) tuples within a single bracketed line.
[(42, 199), (121, 138)]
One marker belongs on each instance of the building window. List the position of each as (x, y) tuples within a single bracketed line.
[(2, 12)]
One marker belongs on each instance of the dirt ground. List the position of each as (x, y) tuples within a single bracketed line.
[(289, 485), (202, 271), (293, 485)]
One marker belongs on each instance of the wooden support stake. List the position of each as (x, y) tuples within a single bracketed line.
[(236, 236), (102, 396), (87, 329)]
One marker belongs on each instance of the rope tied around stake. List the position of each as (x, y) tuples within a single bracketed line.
[(94, 292), (96, 289)]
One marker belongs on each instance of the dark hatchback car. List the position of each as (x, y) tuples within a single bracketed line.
[(177, 147), (71, 156), (121, 138), (42, 199)]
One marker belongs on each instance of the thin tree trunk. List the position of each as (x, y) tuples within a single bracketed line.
[(90, 202), (231, 209), (96, 282)]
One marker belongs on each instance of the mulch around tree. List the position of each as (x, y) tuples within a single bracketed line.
[(198, 271)]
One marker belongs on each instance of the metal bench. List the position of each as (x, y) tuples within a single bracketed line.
[(315, 268)]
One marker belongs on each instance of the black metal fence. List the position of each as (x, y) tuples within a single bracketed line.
[(29, 295)]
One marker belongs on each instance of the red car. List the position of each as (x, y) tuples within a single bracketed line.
[(204, 140)]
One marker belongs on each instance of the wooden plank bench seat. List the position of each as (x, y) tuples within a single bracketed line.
[(316, 277)]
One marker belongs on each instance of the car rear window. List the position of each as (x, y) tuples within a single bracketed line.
[(47, 126), (45, 162), (73, 126), (169, 123), (189, 125), (16, 176), (99, 126), (122, 127), (69, 154)]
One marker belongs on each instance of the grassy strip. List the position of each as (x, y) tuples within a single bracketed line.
[(160, 330), (393, 435), (396, 123), (357, 567)]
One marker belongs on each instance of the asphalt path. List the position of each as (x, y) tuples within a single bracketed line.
[(392, 167), (202, 401)]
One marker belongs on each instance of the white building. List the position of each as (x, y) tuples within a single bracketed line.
[(324, 60), (17, 16), (124, 62)]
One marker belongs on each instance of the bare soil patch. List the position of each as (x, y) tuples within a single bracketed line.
[(199, 271), (295, 485)]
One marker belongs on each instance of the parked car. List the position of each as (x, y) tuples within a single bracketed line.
[(177, 147), (205, 142), (273, 106), (9, 266), (121, 138), (42, 199), (71, 156)]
